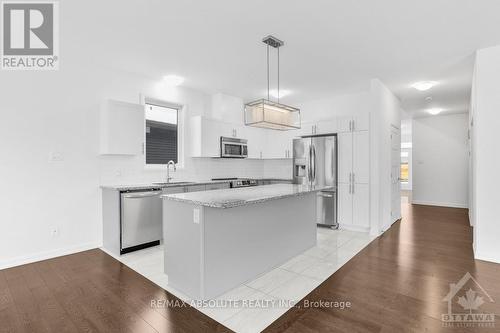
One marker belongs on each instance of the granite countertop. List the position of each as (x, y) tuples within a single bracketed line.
[(161, 185), (129, 187), (228, 198)]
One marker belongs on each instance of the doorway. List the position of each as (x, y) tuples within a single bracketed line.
[(395, 173)]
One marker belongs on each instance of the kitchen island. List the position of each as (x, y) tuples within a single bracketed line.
[(218, 240)]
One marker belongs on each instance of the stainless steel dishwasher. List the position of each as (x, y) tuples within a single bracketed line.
[(141, 219)]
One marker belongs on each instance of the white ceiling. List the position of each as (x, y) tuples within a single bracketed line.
[(331, 47)]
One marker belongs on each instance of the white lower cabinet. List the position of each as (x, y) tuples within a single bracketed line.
[(353, 206), (218, 186), (195, 188), (361, 205), (344, 204)]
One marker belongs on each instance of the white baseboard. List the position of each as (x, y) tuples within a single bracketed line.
[(351, 227), (495, 258), (440, 204), (22, 260)]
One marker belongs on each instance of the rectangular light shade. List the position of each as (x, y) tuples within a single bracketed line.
[(267, 114)]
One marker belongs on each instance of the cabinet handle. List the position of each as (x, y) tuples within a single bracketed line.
[(353, 125), (353, 177)]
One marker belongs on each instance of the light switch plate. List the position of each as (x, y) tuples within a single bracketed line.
[(196, 215)]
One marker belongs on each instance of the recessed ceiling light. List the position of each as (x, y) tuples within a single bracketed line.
[(424, 85), (173, 80), (435, 111), (282, 93)]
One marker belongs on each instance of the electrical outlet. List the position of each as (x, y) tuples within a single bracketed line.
[(54, 232), (56, 156), (196, 215)]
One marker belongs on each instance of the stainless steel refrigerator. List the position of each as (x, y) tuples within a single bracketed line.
[(315, 164)]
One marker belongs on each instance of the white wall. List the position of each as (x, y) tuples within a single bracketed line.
[(57, 112), (440, 160), (385, 112), (486, 159), (336, 106)]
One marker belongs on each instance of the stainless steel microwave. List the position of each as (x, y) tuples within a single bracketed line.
[(233, 147)]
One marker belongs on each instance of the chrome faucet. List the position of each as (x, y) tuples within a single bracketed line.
[(168, 170)]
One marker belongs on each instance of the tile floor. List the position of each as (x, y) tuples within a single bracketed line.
[(256, 304)]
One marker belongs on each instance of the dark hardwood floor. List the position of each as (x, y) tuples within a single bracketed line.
[(90, 292), (396, 284)]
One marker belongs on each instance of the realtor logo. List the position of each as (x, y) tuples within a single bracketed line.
[(30, 35), (464, 301)]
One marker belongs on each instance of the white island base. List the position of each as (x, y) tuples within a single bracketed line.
[(210, 250)]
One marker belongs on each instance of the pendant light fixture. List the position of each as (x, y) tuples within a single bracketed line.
[(270, 114)]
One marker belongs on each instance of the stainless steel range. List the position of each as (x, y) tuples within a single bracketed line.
[(238, 182)]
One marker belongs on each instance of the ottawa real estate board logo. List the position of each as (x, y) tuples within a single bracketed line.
[(467, 304), (30, 35)]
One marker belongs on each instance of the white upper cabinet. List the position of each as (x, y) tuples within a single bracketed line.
[(205, 136), (306, 128), (345, 157), (256, 141), (345, 124), (328, 126), (359, 122), (121, 128), (361, 157), (278, 144)]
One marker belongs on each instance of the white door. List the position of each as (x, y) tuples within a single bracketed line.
[(361, 205), (344, 204), (361, 162), (345, 151), (395, 174)]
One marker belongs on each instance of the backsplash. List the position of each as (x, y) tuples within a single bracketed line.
[(131, 170)]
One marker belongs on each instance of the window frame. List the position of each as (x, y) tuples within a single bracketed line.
[(180, 131)]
